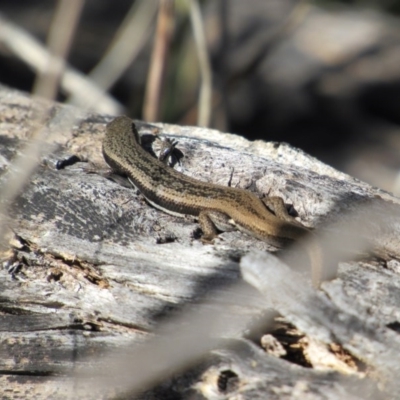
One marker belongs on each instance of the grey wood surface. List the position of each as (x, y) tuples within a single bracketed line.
[(88, 267)]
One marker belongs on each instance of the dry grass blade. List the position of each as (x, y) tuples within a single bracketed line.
[(178, 344), (126, 45), (155, 78), (62, 28), (184, 340), (205, 97), (35, 55), (28, 159), (312, 313), (26, 163)]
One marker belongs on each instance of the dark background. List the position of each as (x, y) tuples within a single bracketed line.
[(330, 86)]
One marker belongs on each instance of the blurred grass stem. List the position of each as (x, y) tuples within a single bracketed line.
[(158, 63), (204, 106)]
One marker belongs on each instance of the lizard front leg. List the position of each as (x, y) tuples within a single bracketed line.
[(278, 207)]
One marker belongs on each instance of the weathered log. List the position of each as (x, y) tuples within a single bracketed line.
[(90, 267)]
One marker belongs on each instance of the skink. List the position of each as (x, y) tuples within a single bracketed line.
[(217, 207)]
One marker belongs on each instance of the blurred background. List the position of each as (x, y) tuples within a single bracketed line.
[(323, 76)]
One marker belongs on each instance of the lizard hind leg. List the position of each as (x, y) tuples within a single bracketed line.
[(213, 221)]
